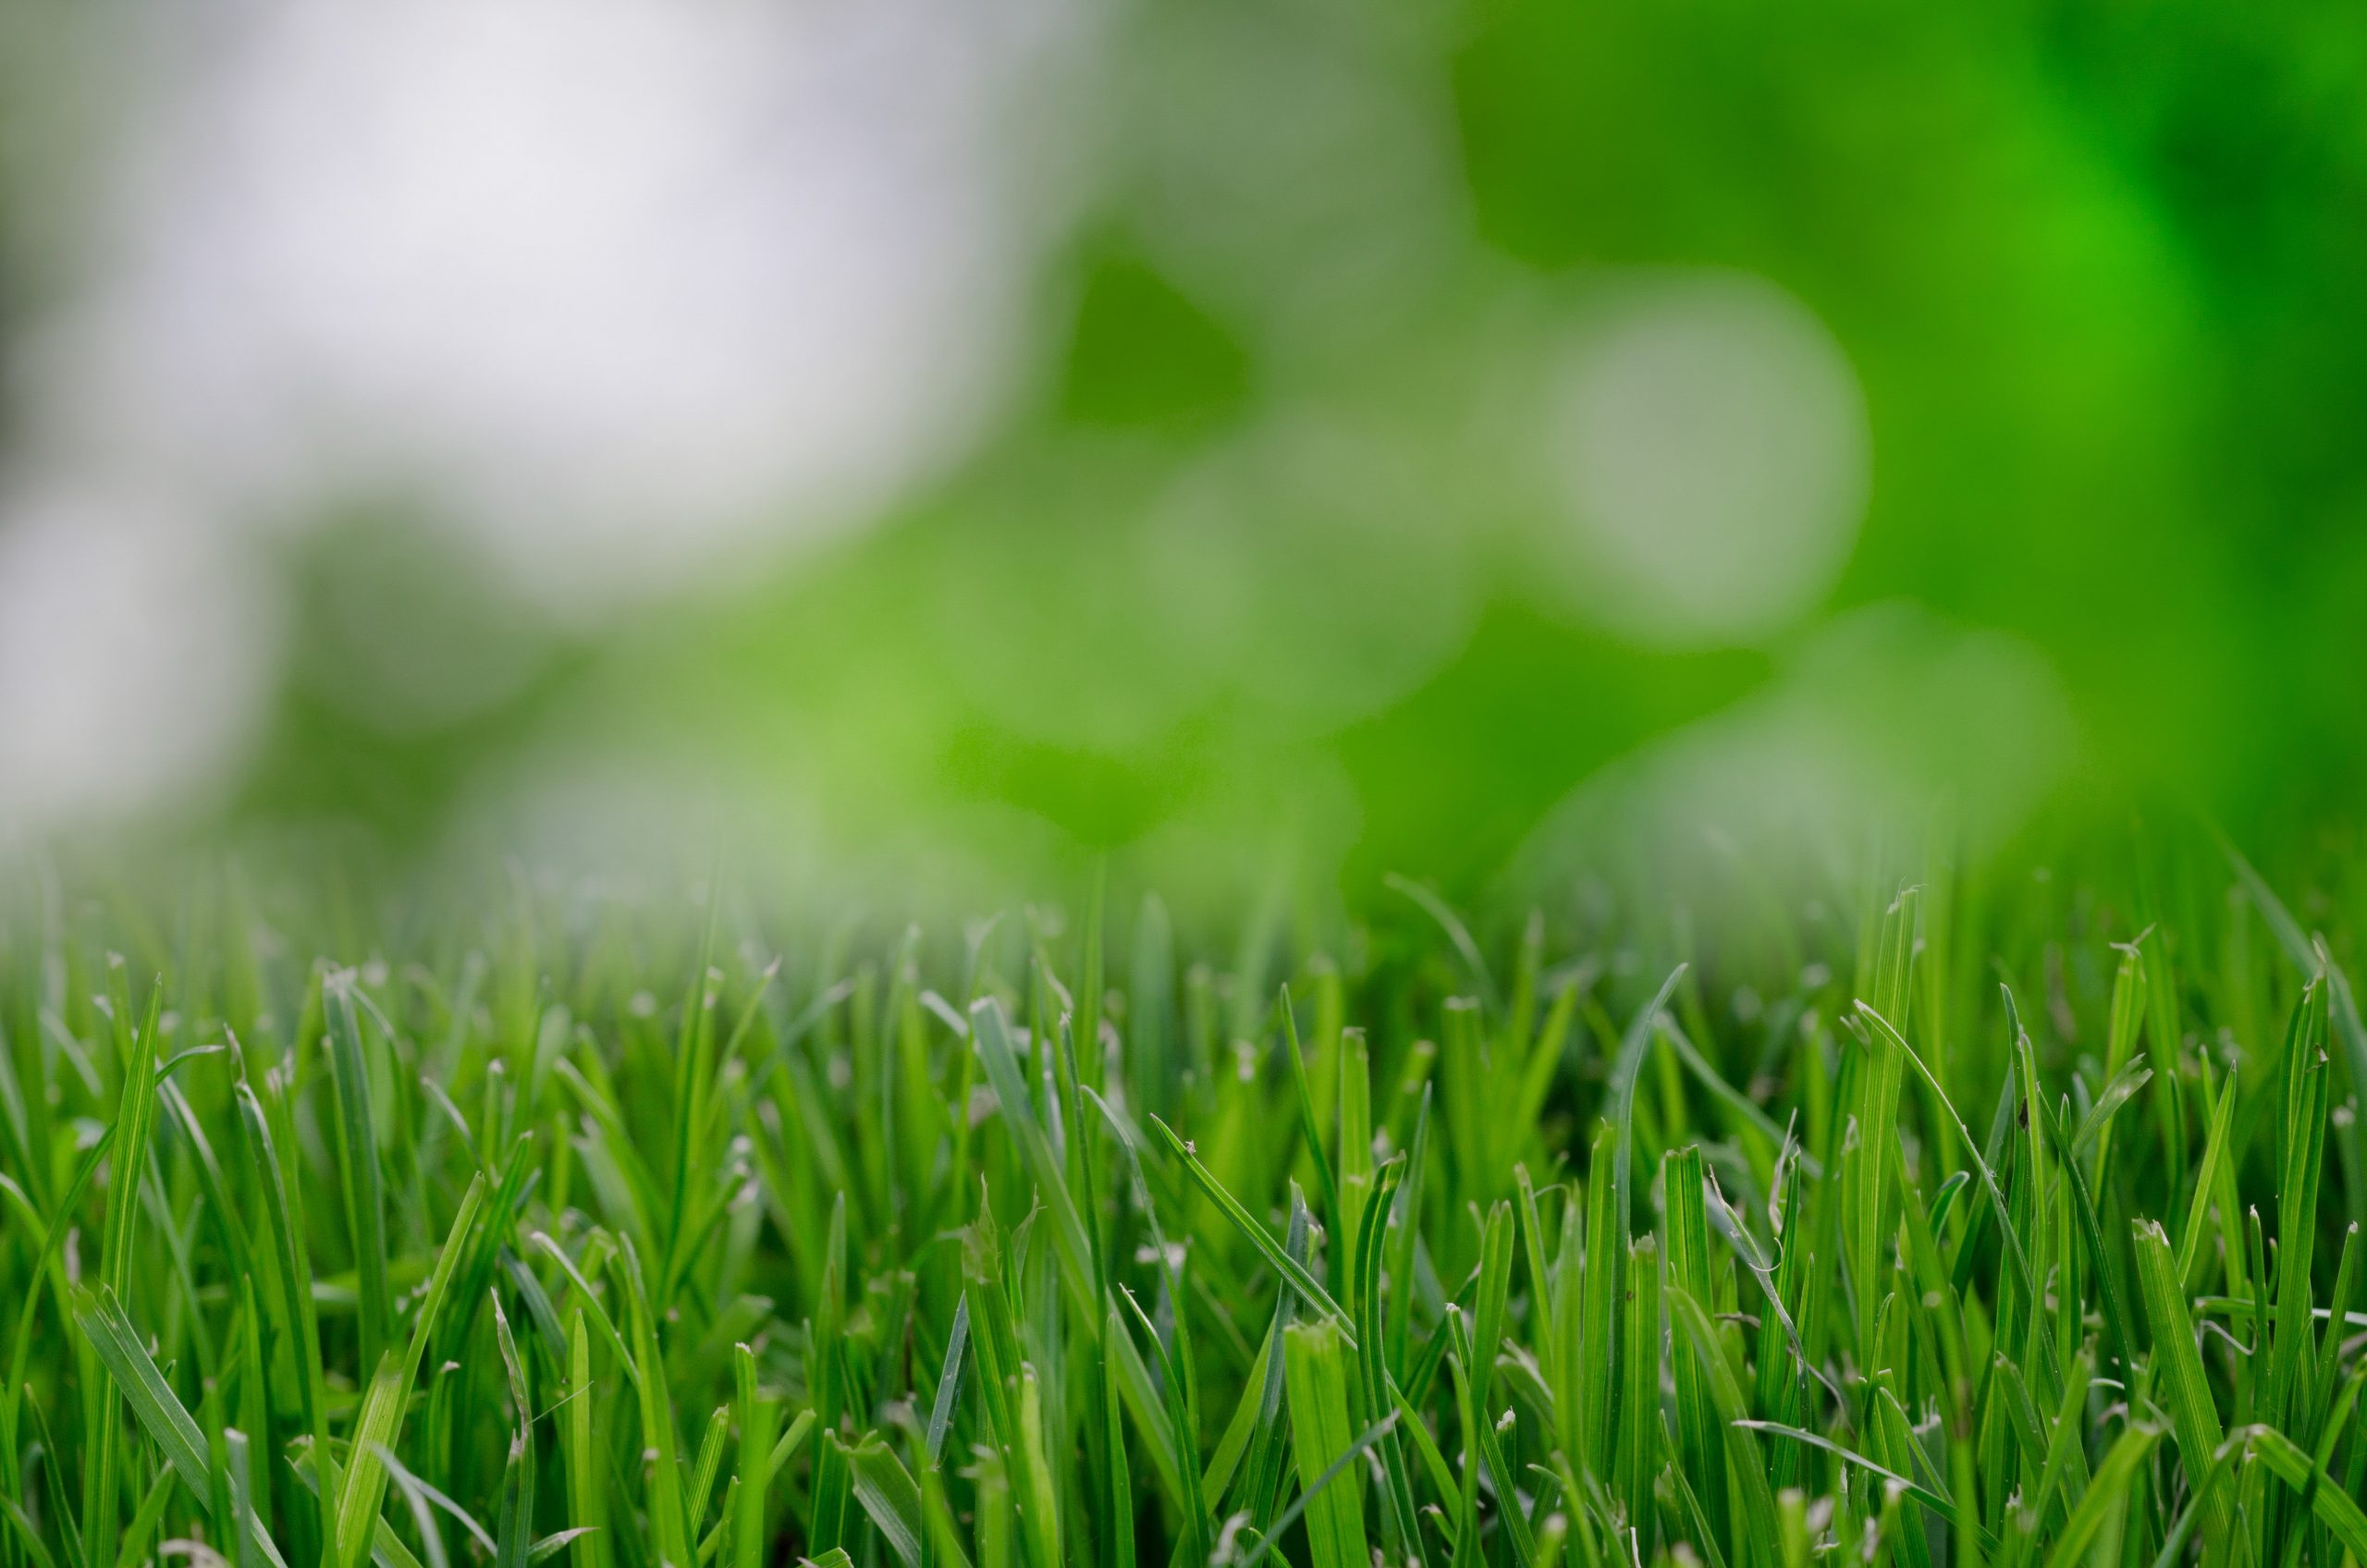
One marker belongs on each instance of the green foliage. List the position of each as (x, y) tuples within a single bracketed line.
[(1403, 1243)]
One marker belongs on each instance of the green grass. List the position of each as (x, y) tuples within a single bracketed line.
[(2005, 1219)]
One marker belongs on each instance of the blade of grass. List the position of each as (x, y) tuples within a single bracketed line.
[(1255, 1234), (2340, 1514), (135, 1120), (891, 1497), (2198, 1211), (670, 1523), (1315, 1366), (158, 1410), (2178, 1366), (1907, 1487), (1728, 1413), (2108, 1496), (381, 1418), (1699, 1437), (357, 1157)]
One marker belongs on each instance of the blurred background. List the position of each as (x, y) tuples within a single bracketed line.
[(1249, 439)]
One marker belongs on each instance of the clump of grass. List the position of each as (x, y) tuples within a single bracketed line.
[(2015, 1224)]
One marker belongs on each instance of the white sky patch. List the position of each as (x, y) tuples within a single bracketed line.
[(1708, 443)]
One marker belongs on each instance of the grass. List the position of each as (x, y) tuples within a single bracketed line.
[(2008, 1220)]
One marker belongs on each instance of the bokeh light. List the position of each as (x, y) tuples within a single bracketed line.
[(1711, 443), (133, 656)]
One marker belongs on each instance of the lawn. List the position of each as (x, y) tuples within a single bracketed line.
[(1939, 1219)]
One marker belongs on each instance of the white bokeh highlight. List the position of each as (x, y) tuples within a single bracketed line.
[(619, 283), (1292, 576), (617, 291), (135, 655), (1708, 445), (1872, 723)]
